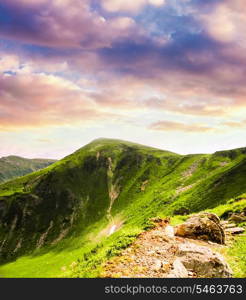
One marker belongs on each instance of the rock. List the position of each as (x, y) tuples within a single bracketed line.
[(165, 266), (179, 270), (235, 230), (191, 274), (212, 243), (237, 217), (169, 231), (181, 211), (203, 261), (157, 265), (160, 266), (159, 222), (229, 225), (205, 226), (223, 223)]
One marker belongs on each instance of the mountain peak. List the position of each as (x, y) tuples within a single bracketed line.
[(109, 142)]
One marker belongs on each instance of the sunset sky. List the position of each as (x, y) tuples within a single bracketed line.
[(165, 73)]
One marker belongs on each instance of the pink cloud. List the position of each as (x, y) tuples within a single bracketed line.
[(227, 22), (37, 100)]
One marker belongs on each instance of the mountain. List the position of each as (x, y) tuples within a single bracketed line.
[(71, 216), (15, 166)]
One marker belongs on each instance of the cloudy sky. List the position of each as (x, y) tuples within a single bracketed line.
[(165, 73)]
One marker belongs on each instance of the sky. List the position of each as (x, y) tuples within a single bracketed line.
[(165, 73)]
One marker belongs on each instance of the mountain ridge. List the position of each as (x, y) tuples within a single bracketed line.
[(106, 184), (13, 166)]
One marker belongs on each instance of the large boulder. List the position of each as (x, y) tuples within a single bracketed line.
[(204, 226), (203, 261)]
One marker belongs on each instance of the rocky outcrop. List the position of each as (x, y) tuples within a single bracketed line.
[(158, 253), (205, 226), (203, 261)]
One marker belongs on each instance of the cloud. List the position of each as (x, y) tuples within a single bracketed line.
[(234, 124), (61, 23), (9, 63), (224, 22), (173, 62), (38, 100), (129, 5), (195, 106), (191, 74), (48, 141), (172, 92), (178, 126)]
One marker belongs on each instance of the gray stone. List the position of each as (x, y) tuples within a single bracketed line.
[(203, 261)]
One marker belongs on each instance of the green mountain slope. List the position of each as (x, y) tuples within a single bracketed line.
[(67, 213), (14, 166)]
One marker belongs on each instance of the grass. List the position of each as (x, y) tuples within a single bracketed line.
[(75, 257), (236, 257)]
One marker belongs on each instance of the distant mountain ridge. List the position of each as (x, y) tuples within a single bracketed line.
[(15, 166)]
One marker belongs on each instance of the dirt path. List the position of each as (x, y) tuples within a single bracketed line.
[(158, 253)]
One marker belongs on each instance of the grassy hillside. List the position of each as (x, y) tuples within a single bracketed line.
[(14, 166), (57, 221)]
